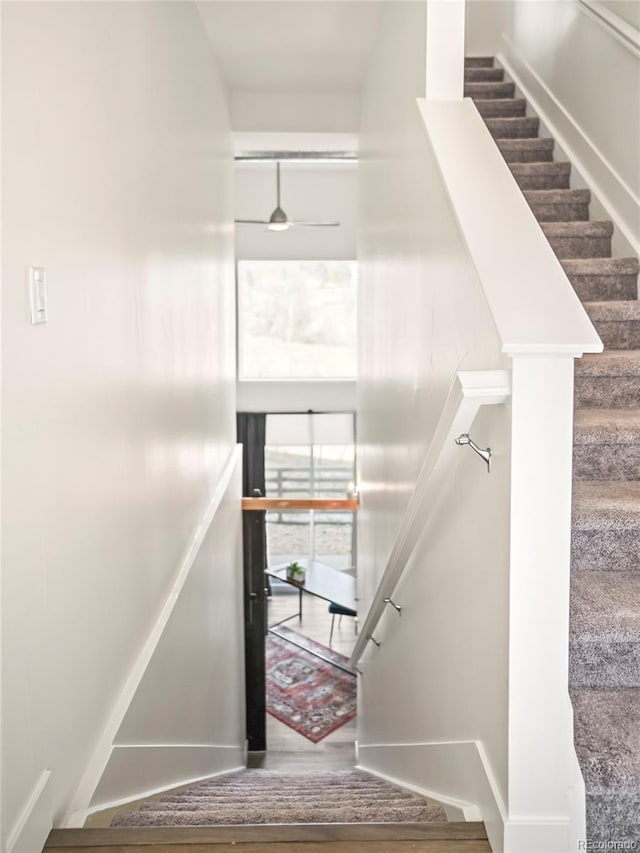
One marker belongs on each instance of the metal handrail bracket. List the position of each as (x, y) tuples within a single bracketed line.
[(470, 390)]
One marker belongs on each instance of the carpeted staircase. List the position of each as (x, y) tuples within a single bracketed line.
[(605, 589), (267, 797)]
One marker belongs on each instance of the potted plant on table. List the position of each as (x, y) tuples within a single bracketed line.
[(295, 572)]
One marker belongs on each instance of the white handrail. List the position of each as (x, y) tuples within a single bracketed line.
[(470, 390), (534, 307), (613, 24)]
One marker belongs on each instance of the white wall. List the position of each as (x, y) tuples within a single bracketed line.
[(422, 317), (187, 718), (421, 311), (583, 82), (321, 191), (118, 414)]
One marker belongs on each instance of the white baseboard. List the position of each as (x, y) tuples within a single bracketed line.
[(453, 773), (612, 193), (139, 771), (458, 774), (102, 755), (32, 827)]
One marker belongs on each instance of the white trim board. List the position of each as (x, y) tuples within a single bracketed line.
[(454, 773), (34, 821), (104, 747), (616, 197), (459, 773), (139, 768)]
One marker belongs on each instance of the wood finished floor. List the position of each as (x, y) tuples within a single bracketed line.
[(286, 749), (442, 846), (318, 838)]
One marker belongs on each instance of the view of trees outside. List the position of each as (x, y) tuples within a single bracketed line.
[(297, 319)]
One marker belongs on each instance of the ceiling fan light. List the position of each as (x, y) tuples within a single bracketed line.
[(278, 220)]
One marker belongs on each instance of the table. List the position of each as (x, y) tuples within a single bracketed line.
[(322, 581)]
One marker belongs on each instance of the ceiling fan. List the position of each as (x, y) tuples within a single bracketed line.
[(278, 221)]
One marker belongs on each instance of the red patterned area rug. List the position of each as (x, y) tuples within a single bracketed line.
[(310, 696)]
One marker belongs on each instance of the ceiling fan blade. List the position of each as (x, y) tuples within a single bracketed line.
[(312, 224), (251, 221)]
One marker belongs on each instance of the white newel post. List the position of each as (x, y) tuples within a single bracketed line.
[(541, 756), (445, 50)]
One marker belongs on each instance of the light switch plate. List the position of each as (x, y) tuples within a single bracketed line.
[(38, 295)]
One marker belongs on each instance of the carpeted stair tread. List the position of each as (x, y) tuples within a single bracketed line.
[(620, 311), (601, 266), (513, 128), (605, 629), (557, 205), (579, 239), (258, 815), (601, 426), (606, 605), (606, 444), (607, 726), (477, 74), (489, 89), (578, 229), (541, 176), (537, 150), (239, 798), (269, 797), (612, 363), (606, 505), (606, 526), (607, 738), (495, 107), (618, 323), (478, 61), (603, 278)]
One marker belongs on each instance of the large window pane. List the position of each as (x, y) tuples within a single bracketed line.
[(297, 319), (310, 455)]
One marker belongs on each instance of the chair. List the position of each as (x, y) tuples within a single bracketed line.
[(339, 610)]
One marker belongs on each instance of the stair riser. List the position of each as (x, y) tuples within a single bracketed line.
[(560, 212), (552, 180), (501, 108), (607, 392), (478, 62), (526, 151), (622, 335), (581, 247), (614, 817), (518, 128), (605, 551), (604, 288), (602, 664), (489, 90), (606, 462), (473, 75), (257, 816)]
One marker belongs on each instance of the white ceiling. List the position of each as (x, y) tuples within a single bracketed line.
[(292, 45)]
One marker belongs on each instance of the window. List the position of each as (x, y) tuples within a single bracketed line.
[(310, 456), (297, 319)]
